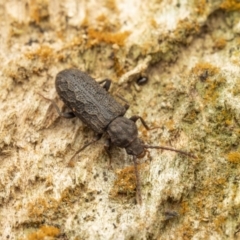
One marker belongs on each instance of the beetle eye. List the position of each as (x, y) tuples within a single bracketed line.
[(129, 151), (141, 155)]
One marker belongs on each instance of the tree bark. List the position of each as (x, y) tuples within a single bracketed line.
[(189, 52)]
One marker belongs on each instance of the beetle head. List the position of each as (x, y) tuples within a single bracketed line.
[(123, 133), (136, 148)]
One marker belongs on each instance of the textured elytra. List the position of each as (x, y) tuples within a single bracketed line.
[(87, 99)]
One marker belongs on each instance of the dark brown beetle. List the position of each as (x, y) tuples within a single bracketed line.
[(92, 103)]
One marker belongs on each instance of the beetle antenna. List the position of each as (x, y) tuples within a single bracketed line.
[(138, 188), (171, 149)]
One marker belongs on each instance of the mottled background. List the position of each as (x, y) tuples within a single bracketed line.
[(190, 51)]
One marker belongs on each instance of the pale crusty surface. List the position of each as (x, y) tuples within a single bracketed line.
[(190, 52)]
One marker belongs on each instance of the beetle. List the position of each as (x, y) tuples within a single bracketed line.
[(94, 106)]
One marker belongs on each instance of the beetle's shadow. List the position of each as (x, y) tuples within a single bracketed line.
[(120, 158)]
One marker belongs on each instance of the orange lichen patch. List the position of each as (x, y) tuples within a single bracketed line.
[(184, 208), (201, 6), (228, 122), (220, 43), (219, 221), (170, 125), (43, 53), (49, 180), (153, 23), (60, 34), (233, 157), (45, 232), (106, 25), (230, 5), (119, 69), (125, 184), (50, 208), (184, 29), (107, 37), (220, 181), (38, 10), (200, 68), (101, 18), (37, 208), (111, 5), (211, 91), (76, 41), (185, 232), (209, 83), (224, 117), (70, 194)]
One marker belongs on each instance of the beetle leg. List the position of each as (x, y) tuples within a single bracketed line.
[(106, 84), (138, 187), (135, 118), (126, 105), (95, 139), (62, 114)]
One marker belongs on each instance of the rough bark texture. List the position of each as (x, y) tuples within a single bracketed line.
[(190, 52)]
